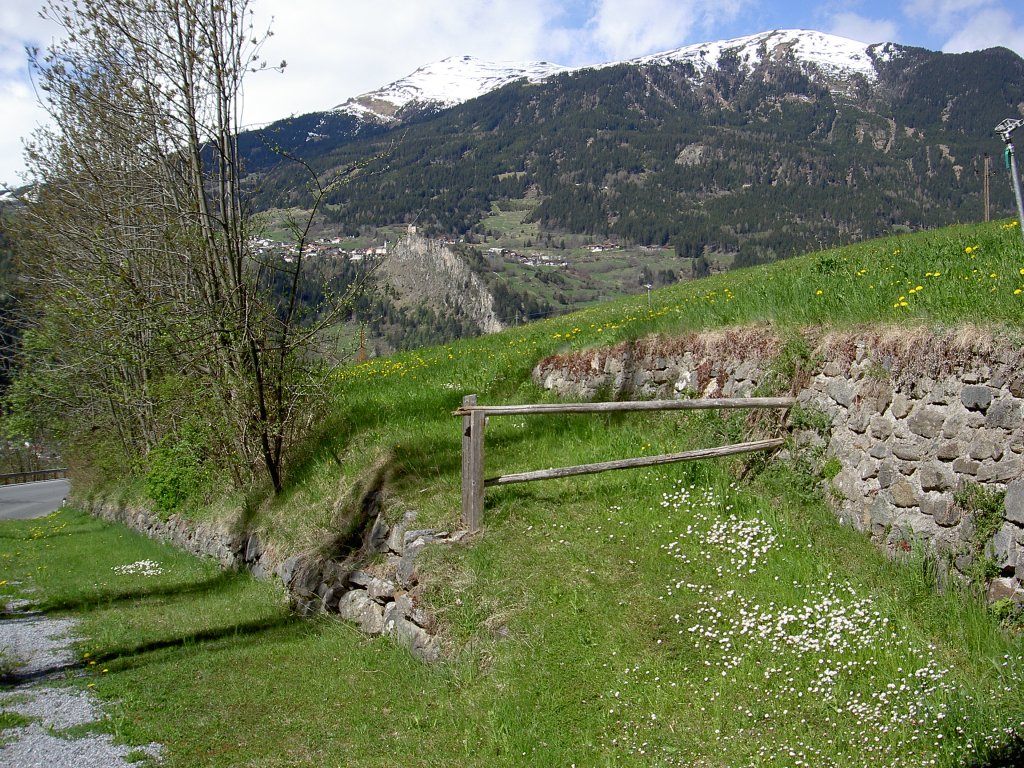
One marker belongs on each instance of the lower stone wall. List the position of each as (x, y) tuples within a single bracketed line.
[(914, 416), (384, 599), (914, 419), (229, 548)]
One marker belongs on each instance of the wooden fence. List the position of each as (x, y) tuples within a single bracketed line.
[(474, 418), (33, 476)]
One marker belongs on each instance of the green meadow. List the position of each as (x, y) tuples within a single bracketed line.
[(671, 617)]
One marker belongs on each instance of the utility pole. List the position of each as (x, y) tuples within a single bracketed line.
[(361, 354), (1006, 129), (984, 186)]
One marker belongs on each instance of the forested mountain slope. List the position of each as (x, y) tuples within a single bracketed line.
[(761, 155)]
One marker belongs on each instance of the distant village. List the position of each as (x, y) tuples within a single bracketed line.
[(530, 260), (333, 248), (326, 248)]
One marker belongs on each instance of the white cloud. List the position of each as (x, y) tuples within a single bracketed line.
[(625, 29), (943, 15), (933, 8), (986, 30), (866, 30), (22, 115), (20, 26), (338, 50), (970, 25)]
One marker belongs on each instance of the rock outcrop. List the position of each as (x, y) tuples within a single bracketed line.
[(429, 272)]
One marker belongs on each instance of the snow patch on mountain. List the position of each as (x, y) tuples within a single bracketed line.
[(834, 56), (446, 83), (457, 79), (887, 52)]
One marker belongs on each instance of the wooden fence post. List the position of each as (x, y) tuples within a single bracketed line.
[(474, 420), (472, 466)]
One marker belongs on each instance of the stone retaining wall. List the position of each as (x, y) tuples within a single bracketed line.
[(914, 415), (382, 599)]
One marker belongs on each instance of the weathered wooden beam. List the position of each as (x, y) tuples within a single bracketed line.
[(472, 465), (642, 461), (629, 405)]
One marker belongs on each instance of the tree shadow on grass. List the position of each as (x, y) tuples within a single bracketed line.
[(130, 657), (103, 598), (1007, 755)]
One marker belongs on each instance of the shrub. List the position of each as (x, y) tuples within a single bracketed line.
[(176, 468)]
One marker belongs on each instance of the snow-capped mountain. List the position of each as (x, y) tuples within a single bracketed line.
[(757, 146), (445, 83), (833, 56), (457, 79)]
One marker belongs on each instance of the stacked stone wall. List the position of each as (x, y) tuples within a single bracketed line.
[(915, 416), (383, 599)]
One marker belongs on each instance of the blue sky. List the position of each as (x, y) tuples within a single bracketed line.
[(341, 48)]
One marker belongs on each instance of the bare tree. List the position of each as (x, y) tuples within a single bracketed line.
[(148, 289)]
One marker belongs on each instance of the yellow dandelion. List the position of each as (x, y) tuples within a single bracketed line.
[(1018, 292), (818, 292)]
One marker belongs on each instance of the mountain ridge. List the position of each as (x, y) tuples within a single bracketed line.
[(457, 79), (734, 153)]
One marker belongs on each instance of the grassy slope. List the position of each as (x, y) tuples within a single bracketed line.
[(588, 624)]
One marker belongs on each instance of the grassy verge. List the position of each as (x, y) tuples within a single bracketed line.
[(649, 618), (664, 617)]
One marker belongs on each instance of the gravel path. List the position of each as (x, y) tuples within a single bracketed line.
[(42, 646)]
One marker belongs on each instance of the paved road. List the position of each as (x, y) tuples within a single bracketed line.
[(27, 500)]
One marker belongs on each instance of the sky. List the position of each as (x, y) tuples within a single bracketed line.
[(336, 49)]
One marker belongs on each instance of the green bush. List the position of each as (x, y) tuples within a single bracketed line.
[(177, 469), (986, 507), (831, 468)]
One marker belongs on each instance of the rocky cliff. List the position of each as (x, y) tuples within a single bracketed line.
[(428, 272)]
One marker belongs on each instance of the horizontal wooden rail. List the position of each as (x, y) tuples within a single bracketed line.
[(474, 422), (641, 461), (635, 405)]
